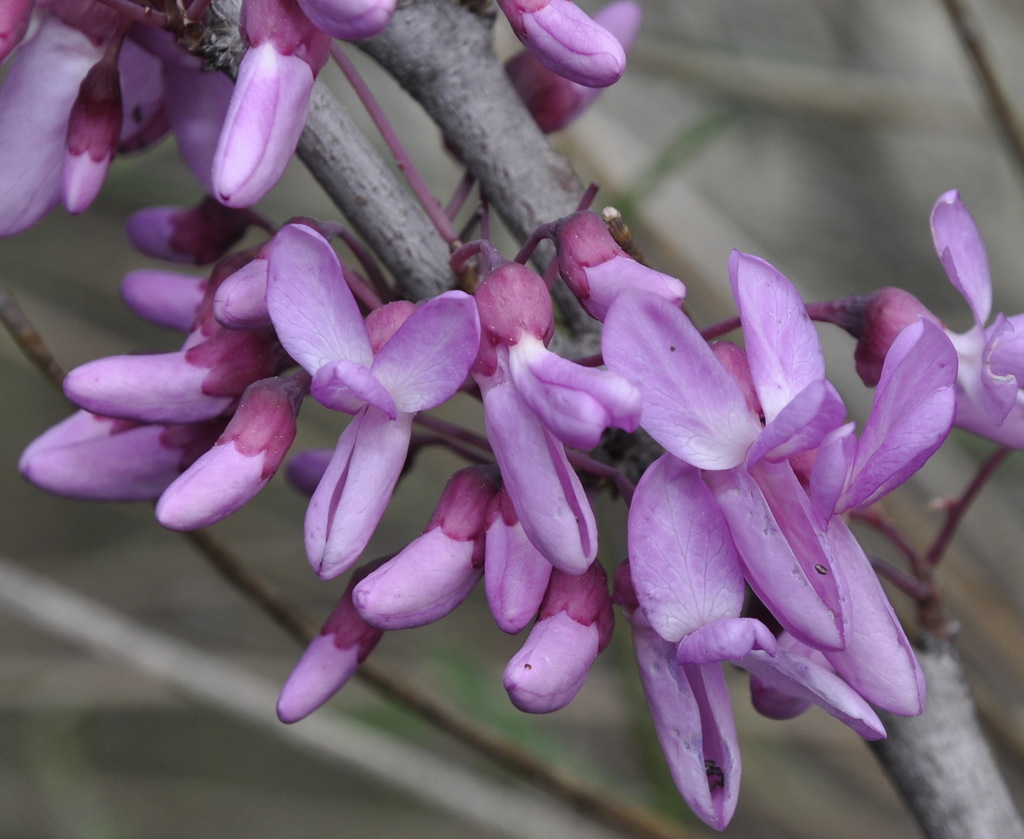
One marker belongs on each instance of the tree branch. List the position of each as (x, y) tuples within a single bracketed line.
[(352, 174), (940, 760)]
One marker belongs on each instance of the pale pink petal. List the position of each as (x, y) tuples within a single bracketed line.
[(962, 252), (355, 490), (782, 345), (428, 358), (264, 120), (691, 405), (313, 311), (685, 569), (35, 100)]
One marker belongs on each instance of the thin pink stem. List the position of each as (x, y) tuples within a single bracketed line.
[(405, 163), (957, 511), (136, 12), (453, 432), (462, 192), (910, 585), (365, 295), (467, 453), (723, 327), (598, 469)]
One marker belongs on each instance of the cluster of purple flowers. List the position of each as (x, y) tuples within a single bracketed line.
[(89, 80), (759, 468)]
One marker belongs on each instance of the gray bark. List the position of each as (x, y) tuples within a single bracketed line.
[(940, 761)]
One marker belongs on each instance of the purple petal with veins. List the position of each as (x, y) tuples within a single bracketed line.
[(428, 358), (782, 345), (684, 567), (691, 405), (314, 313), (962, 253)]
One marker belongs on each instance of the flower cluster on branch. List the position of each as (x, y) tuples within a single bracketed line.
[(739, 547)]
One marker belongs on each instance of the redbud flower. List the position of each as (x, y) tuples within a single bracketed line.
[(596, 269), (194, 235), (163, 297), (271, 100), (350, 20), (415, 364), (101, 458), (566, 40), (436, 571), (242, 461), (573, 628), (330, 660), (553, 100), (36, 96), (93, 130)]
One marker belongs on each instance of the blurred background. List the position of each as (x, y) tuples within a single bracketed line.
[(814, 133)]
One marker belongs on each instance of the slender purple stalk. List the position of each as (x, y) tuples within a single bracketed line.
[(412, 174), (958, 510), (145, 15)]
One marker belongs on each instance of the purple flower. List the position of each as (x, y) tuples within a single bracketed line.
[(566, 40), (573, 627), (533, 402), (35, 100), (402, 365), (597, 270), (330, 659), (271, 100), (436, 571), (350, 20), (164, 298), (991, 357), (107, 459), (201, 381), (798, 557), (242, 461), (553, 100)]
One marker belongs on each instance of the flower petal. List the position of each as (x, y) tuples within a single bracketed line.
[(427, 360), (313, 311), (691, 405), (962, 252), (355, 490), (782, 345), (685, 569)]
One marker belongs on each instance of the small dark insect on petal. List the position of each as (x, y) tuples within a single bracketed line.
[(821, 569), (716, 777)]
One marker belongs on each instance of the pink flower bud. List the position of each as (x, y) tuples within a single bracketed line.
[(350, 20), (164, 298), (574, 626), (513, 301), (436, 571), (553, 100), (596, 269), (100, 458), (329, 661), (566, 40), (243, 459), (195, 235), (875, 320), (93, 131)]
